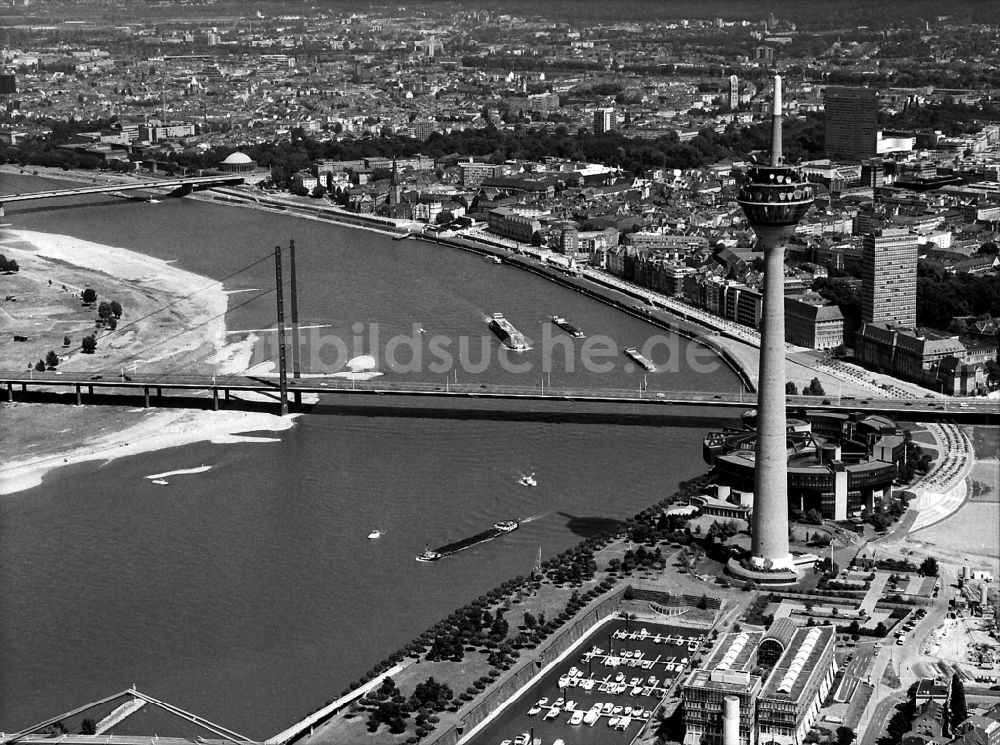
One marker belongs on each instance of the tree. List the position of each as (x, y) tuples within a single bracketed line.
[(67, 341), (104, 310), (40, 366), (929, 567), (318, 192), (959, 708), (790, 389), (89, 344), (880, 521), (88, 727), (116, 308), (815, 388), (52, 360), (8, 265), (845, 735), (814, 516), (536, 239), (89, 296), (529, 620)]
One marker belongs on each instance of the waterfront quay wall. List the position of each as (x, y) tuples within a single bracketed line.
[(529, 665), (594, 289)]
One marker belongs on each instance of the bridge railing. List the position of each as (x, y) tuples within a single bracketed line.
[(541, 389)]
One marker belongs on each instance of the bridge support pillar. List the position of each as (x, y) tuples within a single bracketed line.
[(79, 396), (297, 397), (10, 392), (159, 392), (145, 396), (227, 394), (215, 399), (2, 212), (90, 390)]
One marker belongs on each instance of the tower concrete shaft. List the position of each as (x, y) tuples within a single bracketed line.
[(769, 546)]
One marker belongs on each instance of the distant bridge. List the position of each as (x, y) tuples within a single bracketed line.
[(182, 186), (213, 392)]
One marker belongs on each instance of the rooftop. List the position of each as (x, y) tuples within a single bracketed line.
[(799, 663)]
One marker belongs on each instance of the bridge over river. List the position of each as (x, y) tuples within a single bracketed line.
[(213, 392), (181, 186)]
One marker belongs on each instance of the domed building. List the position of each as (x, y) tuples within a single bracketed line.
[(238, 163)]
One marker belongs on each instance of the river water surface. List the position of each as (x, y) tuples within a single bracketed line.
[(249, 593)]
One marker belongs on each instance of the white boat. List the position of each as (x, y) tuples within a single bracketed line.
[(593, 715), (570, 705), (494, 259), (577, 717), (624, 722), (616, 711), (528, 480), (374, 534), (160, 482), (552, 713), (613, 722), (563, 681), (534, 710)]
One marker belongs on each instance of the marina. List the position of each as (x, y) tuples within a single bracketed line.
[(603, 692)]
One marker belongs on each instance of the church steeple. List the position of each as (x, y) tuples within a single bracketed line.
[(394, 189)]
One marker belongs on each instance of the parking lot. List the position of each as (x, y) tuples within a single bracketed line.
[(604, 691)]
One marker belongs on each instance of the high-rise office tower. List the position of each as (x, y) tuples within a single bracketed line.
[(851, 123), (774, 198), (604, 121), (889, 277), (734, 92)]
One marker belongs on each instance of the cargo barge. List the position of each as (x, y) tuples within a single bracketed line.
[(498, 529)]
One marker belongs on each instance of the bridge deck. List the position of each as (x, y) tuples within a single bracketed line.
[(979, 410), (199, 182)]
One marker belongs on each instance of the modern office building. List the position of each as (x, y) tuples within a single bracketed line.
[(851, 124), (889, 277), (604, 121), (790, 701), (719, 696), (725, 703)]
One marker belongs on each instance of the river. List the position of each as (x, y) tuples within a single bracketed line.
[(249, 593)]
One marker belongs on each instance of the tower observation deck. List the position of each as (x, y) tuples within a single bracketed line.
[(774, 198)]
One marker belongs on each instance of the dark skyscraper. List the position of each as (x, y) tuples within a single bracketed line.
[(851, 124)]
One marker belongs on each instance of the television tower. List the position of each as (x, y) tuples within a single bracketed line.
[(774, 198)]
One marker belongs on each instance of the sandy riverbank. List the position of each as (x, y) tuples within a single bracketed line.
[(173, 321)]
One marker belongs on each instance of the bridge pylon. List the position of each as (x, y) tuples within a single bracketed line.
[(282, 361)]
